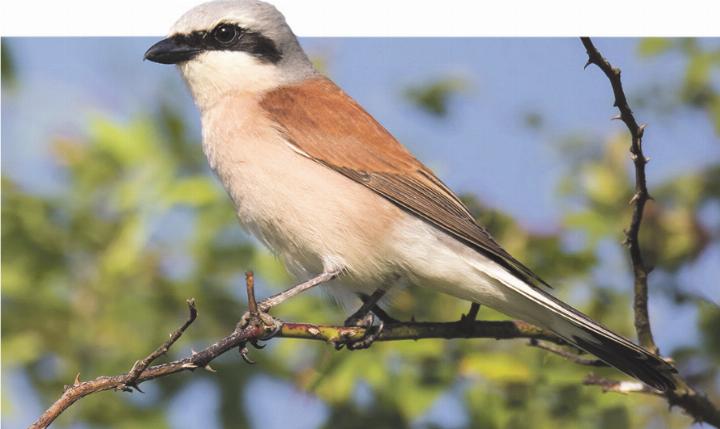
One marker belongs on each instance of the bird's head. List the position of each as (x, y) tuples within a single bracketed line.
[(229, 46)]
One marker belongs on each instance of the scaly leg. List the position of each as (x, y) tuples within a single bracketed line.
[(268, 303)]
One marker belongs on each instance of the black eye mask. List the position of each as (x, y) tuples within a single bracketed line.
[(224, 37)]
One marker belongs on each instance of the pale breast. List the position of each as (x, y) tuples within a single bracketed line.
[(311, 216)]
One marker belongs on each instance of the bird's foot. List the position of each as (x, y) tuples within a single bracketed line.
[(261, 318), (267, 327), (373, 327)]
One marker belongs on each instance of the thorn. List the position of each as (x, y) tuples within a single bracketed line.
[(189, 365), (192, 352), (616, 118), (77, 379), (641, 130), (634, 199), (136, 387), (633, 157), (589, 61), (209, 368), (626, 240), (647, 159), (135, 365)]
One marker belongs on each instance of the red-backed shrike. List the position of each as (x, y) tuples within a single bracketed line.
[(331, 191)]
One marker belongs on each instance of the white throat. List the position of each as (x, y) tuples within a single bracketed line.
[(213, 75)]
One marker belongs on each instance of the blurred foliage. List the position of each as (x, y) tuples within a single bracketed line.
[(95, 276), (700, 88), (434, 97), (7, 66)]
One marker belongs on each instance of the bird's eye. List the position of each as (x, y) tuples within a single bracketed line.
[(225, 34)]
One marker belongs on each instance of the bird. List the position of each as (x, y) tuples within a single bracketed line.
[(337, 198)]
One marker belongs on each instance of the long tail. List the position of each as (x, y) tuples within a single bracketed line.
[(548, 312)]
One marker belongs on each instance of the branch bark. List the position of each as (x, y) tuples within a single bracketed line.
[(691, 401)]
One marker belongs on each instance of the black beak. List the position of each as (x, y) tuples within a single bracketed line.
[(171, 51)]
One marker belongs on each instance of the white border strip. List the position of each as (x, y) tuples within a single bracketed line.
[(382, 18)]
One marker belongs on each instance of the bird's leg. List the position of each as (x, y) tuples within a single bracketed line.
[(369, 304), (364, 317), (268, 303), (380, 313)]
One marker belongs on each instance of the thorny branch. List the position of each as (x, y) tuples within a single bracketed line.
[(140, 366), (694, 403), (640, 272), (256, 328)]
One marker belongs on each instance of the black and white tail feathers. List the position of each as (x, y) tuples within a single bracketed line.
[(578, 329)]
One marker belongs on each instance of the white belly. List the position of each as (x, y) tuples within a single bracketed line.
[(316, 219), (312, 217)]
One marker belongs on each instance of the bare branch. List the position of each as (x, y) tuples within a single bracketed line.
[(694, 403), (140, 366), (254, 329), (499, 330), (640, 272)]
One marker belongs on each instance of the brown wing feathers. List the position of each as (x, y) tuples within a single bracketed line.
[(331, 128)]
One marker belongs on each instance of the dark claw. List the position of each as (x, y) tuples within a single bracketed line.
[(372, 331), (257, 345), (245, 354)]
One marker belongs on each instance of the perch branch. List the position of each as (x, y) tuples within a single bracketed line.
[(259, 326), (691, 401), (253, 332)]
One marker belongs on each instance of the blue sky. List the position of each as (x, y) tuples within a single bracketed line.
[(479, 149), (482, 148)]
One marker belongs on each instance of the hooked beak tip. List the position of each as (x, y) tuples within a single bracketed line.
[(170, 51)]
